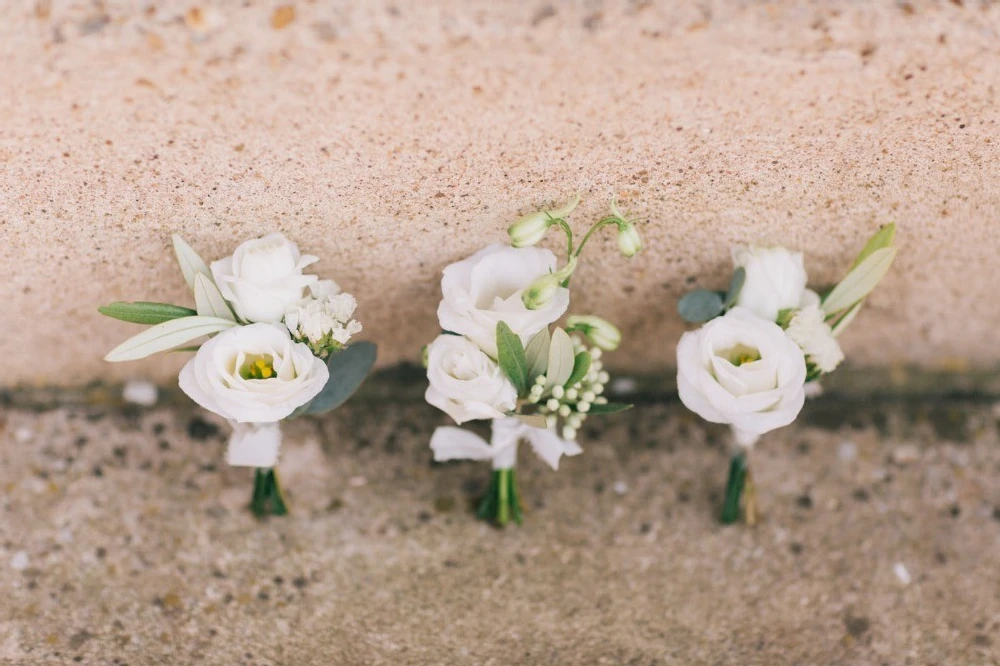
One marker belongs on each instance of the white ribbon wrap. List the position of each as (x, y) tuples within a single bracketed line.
[(450, 443), (254, 444), (744, 439)]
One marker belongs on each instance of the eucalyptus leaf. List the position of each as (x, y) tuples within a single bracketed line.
[(881, 239), (537, 353), (510, 355), (735, 286), (209, 300), (609, 408), (581, 364), (167, 335), (142, 312), (191, 264), (700, 305), (561, 359), (533, 420), (348, 369), (860, 281)]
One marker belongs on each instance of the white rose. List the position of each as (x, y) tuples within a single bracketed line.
[(263, 278), (775, 280), (813, 335), (253, 374), (741, 370), (465, 383), (486, 288)]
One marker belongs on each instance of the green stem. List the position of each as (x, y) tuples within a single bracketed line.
[(602, 223), (501, 504), (738, 469), (503, 507), (268, 498), (569, 234), (280, 508)]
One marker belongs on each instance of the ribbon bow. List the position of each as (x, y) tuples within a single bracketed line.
[(450, 443)]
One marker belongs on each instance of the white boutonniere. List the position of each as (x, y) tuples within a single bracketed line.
[(500, 358), (764, 345), (277, 344)]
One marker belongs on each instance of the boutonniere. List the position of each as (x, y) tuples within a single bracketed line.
[(279, 345), (500, 359), (764, 345)]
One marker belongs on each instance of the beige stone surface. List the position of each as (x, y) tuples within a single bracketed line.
[(391, 138), (124, 540)]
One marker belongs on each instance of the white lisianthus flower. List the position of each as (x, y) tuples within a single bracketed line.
[(253, 374), (263, 278), (741, 370), (465, 383), (324, 317), (812, 334), (775, 279), (487, 287)]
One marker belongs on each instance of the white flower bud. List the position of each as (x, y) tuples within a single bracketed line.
[(583, 407), (629, 241), (603, 377), (558, 392), (597, 389), (552, 404), (540, 381), (595, 354), (599, 332), (529, 229), (564, 411), (588, 396), (575, 421), (600, 400), (568, 433), (571, 394), (541, 291), (551, 420)]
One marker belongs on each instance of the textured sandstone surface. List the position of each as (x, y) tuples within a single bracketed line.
[(124, 540), (391, 138)]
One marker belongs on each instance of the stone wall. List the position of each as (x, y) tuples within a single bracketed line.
[(391, 138)]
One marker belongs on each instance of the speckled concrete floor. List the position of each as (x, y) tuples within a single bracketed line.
[(124, 541)]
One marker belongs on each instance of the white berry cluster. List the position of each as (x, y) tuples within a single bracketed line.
[(571, 403)]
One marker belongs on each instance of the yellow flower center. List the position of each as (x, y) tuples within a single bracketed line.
[(741, 354), (259, 367)]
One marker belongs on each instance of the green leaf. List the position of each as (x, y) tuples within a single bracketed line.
[(700, 305), (143, 312), (348, 369), (848, 317), (510, 355), (209, 299), (537, 354), (191, 264), (860, 281), (167, 335), (735, 286), (883, 238), (561, 359), (609, 408), (581, 364)]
